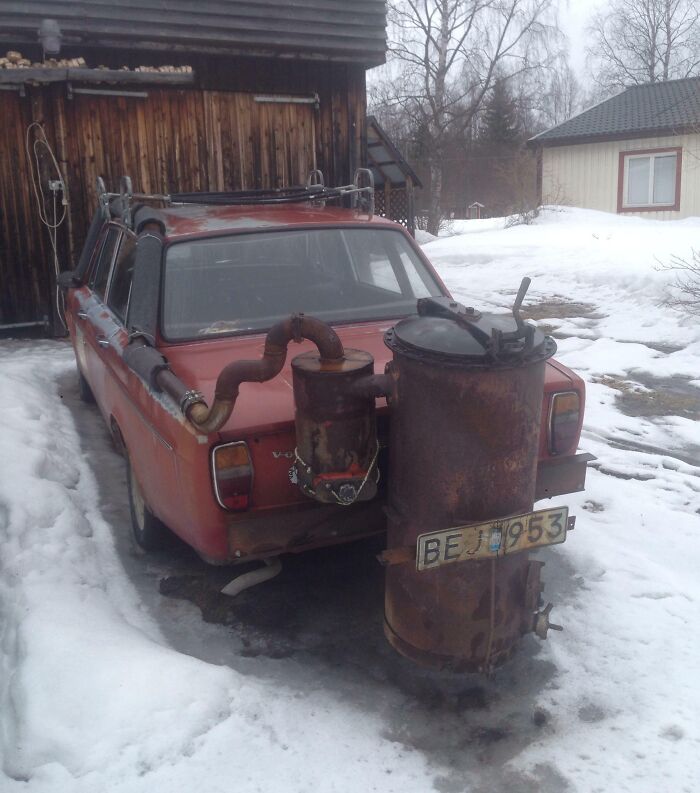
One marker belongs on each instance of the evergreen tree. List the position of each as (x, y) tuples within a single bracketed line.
[(499, 124)]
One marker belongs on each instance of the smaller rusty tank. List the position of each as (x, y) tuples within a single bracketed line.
[(464, 432), (336, 453)]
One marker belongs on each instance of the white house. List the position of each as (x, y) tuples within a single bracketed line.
[(637, 152)]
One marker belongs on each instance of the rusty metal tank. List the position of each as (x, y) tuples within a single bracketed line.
[(464, 434), (336, 453)]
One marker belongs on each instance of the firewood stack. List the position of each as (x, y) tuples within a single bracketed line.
[(15, 60), (172, 69)]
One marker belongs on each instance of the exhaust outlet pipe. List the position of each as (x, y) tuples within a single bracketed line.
[(271, 567)]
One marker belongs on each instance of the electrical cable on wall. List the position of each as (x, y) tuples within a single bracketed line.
[(53, 224)]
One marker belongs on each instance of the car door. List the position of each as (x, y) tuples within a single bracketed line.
[(117, 304), (99, 325), (130, 401), (79, 302)]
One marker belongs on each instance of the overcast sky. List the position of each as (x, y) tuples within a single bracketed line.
[(574, 16)]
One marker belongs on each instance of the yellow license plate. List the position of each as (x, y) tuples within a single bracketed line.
[(492, 538)]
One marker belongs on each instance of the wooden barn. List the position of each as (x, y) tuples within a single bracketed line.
[(217, 95)]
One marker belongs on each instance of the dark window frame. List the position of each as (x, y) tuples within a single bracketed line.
[(127, 235), (95, 267), (623, 155)]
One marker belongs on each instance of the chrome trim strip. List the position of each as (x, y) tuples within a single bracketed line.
[(213, 470), (550, 434)]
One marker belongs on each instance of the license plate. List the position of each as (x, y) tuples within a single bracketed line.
[(492, 538)]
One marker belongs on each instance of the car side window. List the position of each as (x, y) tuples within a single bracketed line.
[(120, 285), (100, 275), (372, 263)]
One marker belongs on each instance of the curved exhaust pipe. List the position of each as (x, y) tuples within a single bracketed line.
[(296, 328), (151, 365)]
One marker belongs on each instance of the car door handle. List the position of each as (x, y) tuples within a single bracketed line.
[(102, 341), (82, 314)]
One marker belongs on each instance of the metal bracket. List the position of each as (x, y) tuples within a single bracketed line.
[(365, 191), (541, 623), (190, 398), (400, 555), (102, 196), (126, 193), (519, 341), (315, 178)]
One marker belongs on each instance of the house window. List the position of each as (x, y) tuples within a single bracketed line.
[(649, 180)]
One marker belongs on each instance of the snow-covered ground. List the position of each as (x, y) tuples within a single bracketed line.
[(105, 685)]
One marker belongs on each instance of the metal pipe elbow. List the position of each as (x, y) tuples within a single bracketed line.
[(298, 327), (295, 328)]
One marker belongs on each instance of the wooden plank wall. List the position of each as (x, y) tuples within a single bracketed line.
[(24, 245), (173, 140)]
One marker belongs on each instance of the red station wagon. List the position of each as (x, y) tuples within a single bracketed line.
[(182, 290)]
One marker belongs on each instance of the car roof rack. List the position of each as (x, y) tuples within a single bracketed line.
[(361, 193)]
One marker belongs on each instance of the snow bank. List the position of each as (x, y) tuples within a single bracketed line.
[(595, 257), (424, 237), (91, 699), (625, 706)]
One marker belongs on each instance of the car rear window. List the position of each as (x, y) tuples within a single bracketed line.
[(247, 282)]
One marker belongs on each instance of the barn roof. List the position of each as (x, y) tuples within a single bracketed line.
[(645, 110), (306, 29)]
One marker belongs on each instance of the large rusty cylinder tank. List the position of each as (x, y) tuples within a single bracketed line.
[(336, 431), (463, 448)]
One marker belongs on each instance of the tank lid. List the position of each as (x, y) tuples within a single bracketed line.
[(460, 335)]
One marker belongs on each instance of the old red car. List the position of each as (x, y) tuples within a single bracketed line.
[(180, 312)]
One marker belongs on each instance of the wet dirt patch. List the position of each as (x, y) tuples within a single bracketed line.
[(488, 735), (649, 396), (672, 733), (560, 309), (591, 713), (666, 349), (314, 605), (593, 506)]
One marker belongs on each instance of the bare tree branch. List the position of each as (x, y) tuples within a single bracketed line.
[(450, 53), (641, 41)]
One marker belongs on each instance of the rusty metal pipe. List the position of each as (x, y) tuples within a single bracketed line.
[(296, 328), (374, 385)]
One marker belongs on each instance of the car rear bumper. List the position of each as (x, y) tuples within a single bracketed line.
[(257, 535)]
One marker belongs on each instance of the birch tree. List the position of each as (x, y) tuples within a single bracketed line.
[(449, 55), (645, 41)]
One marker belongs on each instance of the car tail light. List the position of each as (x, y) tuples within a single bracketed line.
[(232, 472), (564, 418)]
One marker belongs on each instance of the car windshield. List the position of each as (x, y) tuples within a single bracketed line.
[(247, 282)]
